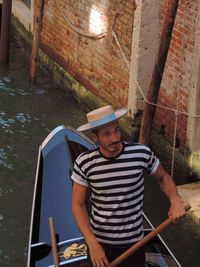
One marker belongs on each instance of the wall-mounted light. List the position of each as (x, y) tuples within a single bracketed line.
[(96, 22)]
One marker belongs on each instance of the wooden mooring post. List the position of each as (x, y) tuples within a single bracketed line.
[(153, 91), (5, 30), (39, 6)]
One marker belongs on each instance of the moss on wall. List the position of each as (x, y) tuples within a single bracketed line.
[(18, 29)]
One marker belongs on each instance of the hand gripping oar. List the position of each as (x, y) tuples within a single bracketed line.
[(142, 242), (53, 242)]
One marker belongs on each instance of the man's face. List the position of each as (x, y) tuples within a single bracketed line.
[(109, 139)]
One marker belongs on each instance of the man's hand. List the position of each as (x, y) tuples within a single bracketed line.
[(97, 254), (177, 209)]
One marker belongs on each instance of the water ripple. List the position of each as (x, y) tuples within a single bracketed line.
[(4, 192), (3, 159), (3, 258), (12, 91), (21, 117)]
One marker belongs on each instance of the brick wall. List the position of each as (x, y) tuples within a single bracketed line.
[(96, 63), (177, 74), (99, 66)]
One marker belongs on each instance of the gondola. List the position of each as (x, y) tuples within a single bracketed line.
[(52, 199)]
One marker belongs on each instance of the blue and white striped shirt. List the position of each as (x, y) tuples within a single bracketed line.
[(117, 187)]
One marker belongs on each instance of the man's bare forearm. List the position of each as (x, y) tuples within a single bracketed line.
[(82, 220), (168, 186), (97, 253)]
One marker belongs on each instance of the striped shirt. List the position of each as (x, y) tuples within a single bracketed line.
[(117, 187)]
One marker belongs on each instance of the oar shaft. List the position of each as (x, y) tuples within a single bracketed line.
[(142, 242), (53, 242)]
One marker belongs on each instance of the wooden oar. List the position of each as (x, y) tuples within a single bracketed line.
[(142, 242), (53, 242)]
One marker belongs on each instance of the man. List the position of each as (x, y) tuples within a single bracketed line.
[(114, 171)]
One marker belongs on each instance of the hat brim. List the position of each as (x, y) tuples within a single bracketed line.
[(118, 113)]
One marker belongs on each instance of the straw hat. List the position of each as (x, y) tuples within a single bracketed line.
[(102, 116)]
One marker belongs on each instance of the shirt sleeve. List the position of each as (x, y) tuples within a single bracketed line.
[(78, 175), (153, 163)]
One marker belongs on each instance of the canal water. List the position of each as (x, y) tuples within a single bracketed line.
[(27, 114)]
